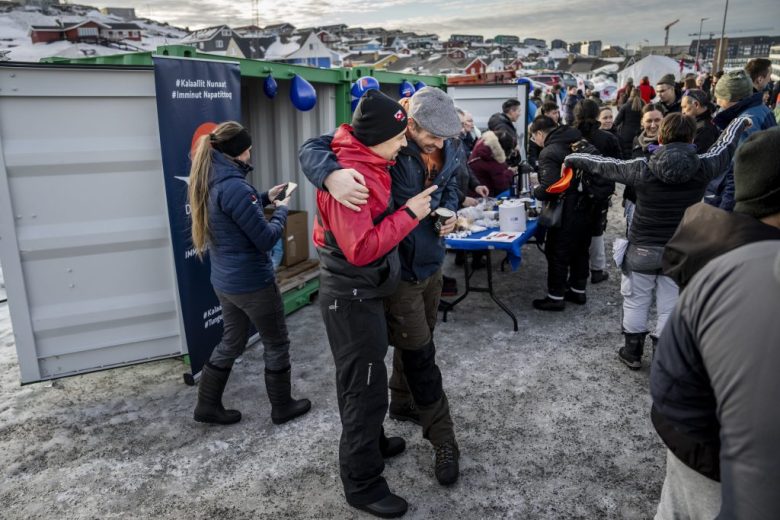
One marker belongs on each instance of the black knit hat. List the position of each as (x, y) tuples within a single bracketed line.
[(377, 118), (757, 174), (234, 146)]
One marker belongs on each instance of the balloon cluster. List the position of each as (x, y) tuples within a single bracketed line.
[(366, 83), (302, 93)]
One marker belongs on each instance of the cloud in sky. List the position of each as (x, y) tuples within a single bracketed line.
[(626, 21)]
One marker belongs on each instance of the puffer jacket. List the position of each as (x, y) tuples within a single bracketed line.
[(713, 378), (421, 251), (666, 184), (720, 192), (556, 147), (488, 162), (241, 237), (688, 425)]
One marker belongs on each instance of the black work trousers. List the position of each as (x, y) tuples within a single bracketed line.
[(357, 332), (566, 249)]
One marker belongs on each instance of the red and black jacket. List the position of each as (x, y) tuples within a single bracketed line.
[(358, 249)]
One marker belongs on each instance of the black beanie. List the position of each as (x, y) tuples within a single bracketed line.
[(377, 118), (757, 174), (234, 146)]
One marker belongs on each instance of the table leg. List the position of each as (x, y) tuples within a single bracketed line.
[(493, 295), (448, 306)]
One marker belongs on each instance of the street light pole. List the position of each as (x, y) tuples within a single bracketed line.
[(698, 42), (721, 60)]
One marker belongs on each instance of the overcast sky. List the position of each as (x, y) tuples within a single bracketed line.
[(618, 22)]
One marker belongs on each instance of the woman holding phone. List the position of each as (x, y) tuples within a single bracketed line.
[(228, 222)]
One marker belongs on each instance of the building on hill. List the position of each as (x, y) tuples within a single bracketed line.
[(506, 39), (313, 53), (125, 13), (280, 29), (467, 38), (558, 44), (535, 42), (87, 31), (738, 50), (43, 4), (377, 60), (209, 39), (252, 47)]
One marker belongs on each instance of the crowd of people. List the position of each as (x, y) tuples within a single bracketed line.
[(701, 200)]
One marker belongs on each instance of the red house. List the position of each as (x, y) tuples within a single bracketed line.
[(87, 31), (476, 66)]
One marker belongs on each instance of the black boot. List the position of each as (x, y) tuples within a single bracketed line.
[(580, 298), (391, 506), (283, 407), (210, 388), (631, 354), (446, 466), (391, 446), (598, 276), (549, 304)]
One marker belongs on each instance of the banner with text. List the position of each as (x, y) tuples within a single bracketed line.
[(193, 96)]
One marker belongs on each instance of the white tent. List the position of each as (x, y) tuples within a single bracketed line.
[(653, 67)]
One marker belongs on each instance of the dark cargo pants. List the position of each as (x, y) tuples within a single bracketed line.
[(567, 252), (357, 333), (411, 317), (265, 310)]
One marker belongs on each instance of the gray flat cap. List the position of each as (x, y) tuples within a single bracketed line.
[(435, 112)]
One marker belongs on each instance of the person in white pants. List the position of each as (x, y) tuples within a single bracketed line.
[(672, 179)]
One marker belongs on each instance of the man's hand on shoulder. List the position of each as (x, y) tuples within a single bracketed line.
[(347, 186)]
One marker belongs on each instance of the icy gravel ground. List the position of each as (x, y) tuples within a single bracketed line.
[(550, 425)]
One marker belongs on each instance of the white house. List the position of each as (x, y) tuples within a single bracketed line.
[(314, 53)]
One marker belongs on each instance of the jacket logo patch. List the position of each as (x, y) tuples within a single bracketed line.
[(253, 199), (399, 116)]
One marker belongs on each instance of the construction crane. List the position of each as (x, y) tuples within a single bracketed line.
[(666, 38)]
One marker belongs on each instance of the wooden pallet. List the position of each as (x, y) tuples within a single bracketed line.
[(294, 277)]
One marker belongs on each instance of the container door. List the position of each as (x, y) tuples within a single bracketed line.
[(84, 239)]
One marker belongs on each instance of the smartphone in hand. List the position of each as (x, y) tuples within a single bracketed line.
[(286, 191)]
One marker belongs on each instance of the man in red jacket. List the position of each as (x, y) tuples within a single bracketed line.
[(359, 267)]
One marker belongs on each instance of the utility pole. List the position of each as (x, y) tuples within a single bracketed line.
[(666, 38), (721, 58), (698, 42)]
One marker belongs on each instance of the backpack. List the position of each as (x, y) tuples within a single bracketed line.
[(593, 187)]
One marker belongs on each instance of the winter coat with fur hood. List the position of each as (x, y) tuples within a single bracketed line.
[(488, 163)]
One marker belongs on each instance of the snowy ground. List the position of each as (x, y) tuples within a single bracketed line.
[(550, 425)]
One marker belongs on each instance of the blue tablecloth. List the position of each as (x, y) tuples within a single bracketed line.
[(473, 243)]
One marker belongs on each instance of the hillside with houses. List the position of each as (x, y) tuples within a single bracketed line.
[(31, 30)]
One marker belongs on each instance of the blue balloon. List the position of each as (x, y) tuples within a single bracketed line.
[(418, 85), (363, 85), (405, 89), (524, 81), (302, 94), (270, 88), (354, 103)]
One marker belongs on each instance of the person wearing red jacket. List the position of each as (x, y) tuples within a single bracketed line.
[(359, 267), (646, 90)]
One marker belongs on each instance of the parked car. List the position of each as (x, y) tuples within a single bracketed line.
[(547, 79)]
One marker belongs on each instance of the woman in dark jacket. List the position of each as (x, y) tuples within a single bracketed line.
[(628, 122), (567, 245), (671, 180), (488, 161), (586, 115), (696, 103), (228, 222)]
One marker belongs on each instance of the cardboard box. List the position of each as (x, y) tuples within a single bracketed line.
[(296, 237)]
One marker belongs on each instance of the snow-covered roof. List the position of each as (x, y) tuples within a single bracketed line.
[(279, 49)]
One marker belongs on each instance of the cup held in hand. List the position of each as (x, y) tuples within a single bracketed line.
[(441, 216)]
